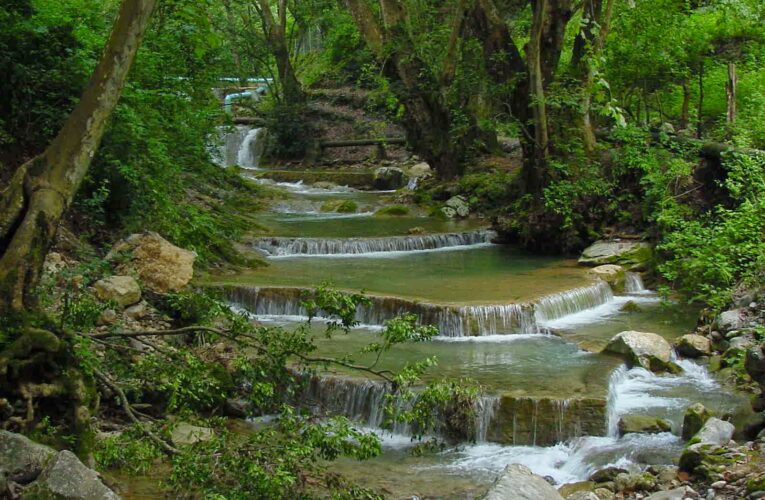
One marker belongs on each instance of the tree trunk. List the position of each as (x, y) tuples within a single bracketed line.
[(730, 88), (685, 112), (534, 175), (699, 118), (276, 37), (43, 188)]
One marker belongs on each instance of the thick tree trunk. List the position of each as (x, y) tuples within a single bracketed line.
[(42, 189), (276, 37), (534, 175)]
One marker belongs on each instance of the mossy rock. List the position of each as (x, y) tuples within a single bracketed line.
[(695, 417), (756, 484), (340, 206), (639, 424), (393, 210)]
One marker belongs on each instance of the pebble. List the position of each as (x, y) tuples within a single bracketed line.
[(719, 484)]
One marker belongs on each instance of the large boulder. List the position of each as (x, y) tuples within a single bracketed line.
[(694, 419), (419, 170), (186, 434), (517, 482), (634, 255), (124, 290), (612, 274), (705, 447), (647, 350), (714, 431), (693, 346), (65, 477), (21, 459), (389, 178), (162, 266), (638, 424)]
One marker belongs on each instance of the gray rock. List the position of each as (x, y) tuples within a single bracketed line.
[(638, 424), (137, 311), (742, 342), (460, 205), (612, 274), (123, 290), (694, 419), (107, 317), (604, 494), (755, 364), (65, 477), (730, 320), (635, 482), (715, 431), (421, 169), (634, 255), (607, 474), (675, 494), (21, 459), (648, 350), (583, 495), (389, 178), (693, 346), (186, 434), (517, 482)]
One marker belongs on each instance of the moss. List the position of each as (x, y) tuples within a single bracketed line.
[(393, 210), (630, 307), (756, 484), (340, 206)]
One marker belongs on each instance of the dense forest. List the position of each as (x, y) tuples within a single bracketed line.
[(382, 249)]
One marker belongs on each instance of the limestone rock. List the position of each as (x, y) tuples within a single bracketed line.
[(517, 482), (693, 346), (634, 255), (185, 434), (389, 178), (715, 431), (65, 477), (421, 169), (456, 206), (604, 494), (635, 482), (21, 459), (124, 290), (675, 494), (162, 266), (107, 317), (612, 274), (730, 320), (644, 349), (755, 364), (638, 424), (694, 419), (607, 474)]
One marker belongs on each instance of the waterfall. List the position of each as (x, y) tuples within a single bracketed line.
[(284, 247), (613, 411), (251, 148), (451, 321), (549, 421), (412, 184), (486, 408), (573, 301), (633, 283)]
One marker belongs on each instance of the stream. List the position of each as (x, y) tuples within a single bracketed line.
[(527, 328)]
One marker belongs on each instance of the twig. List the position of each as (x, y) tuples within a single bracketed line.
[(129, 412)]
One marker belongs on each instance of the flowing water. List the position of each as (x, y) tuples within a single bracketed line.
[(239, 146), (527, 328)]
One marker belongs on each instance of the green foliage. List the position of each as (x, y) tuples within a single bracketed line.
[(128, 451), (271, 463), (393, 211), (193, 307), (709, 254)]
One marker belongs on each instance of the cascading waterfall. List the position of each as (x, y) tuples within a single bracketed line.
[(613, 411), (284, 247), (251, 148), (573, 301), (634, 283), (451, 321), (364, 401)]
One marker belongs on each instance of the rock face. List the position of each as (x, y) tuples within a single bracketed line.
[(634, 255), (389, 178), (162, 266), (43, 473), (517, 482), (456, 206), (67, 478), (644, 349), (21, 459), (185, 434), (638, 424), (693, 346), (124, 290), (612, 274), (694, 419)]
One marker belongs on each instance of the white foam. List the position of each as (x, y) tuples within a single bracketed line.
[(386, 255), (598, 313), (496, 339)]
